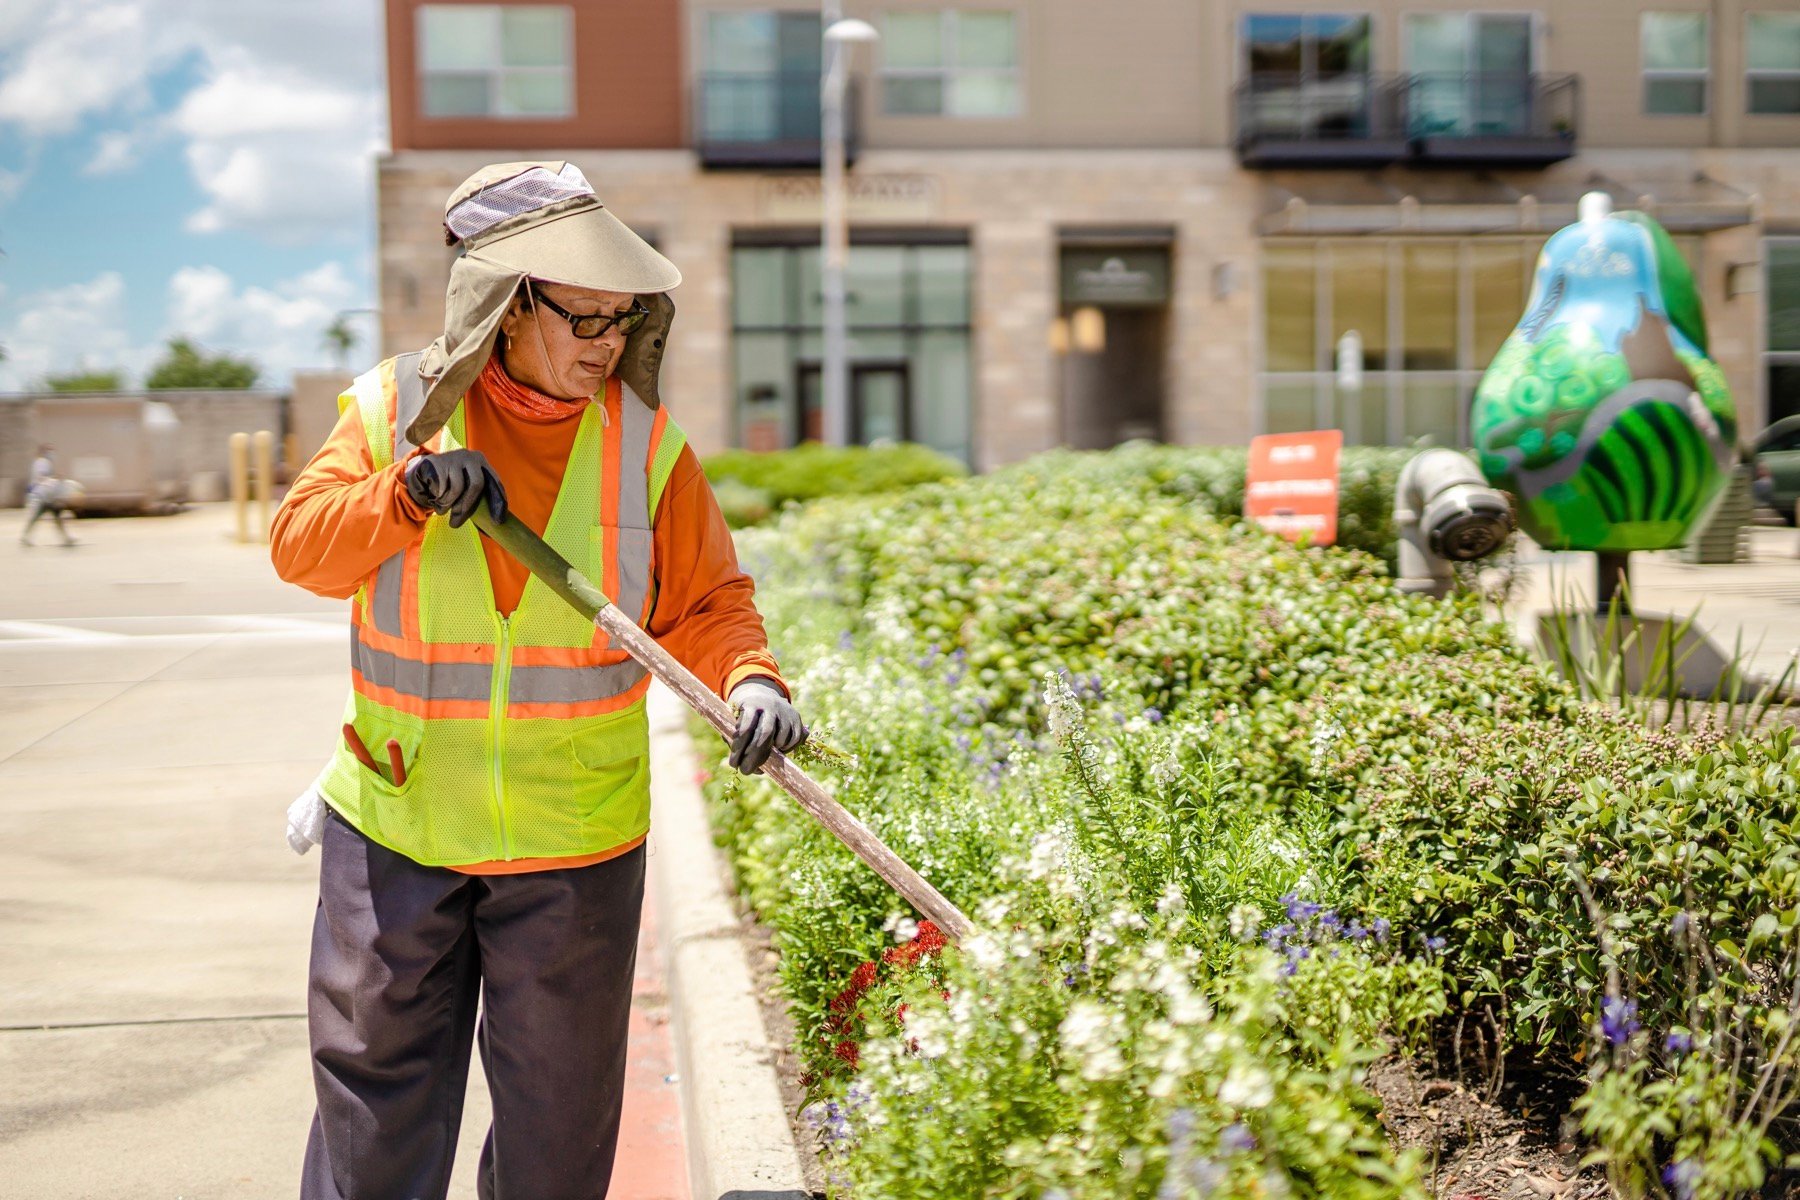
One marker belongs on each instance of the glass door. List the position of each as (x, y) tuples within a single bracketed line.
[(878, 404), (1471, 73)]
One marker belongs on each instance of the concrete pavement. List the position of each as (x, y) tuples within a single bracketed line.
[(1750, 607), (162, 697)]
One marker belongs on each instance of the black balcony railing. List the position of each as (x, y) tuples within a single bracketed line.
[(744, 119), (1366, 119)]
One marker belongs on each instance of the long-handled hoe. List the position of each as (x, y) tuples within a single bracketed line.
[(544, 562)]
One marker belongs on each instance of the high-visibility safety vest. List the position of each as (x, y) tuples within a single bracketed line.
[(522, 736)]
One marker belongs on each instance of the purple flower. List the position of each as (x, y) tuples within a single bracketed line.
[(1678, 1042), (1181, 1124), (1618, 1020), (1236, 1138), (1434, 944), (1682, 1175), (1380, 929), (1330, 921), (1679, 925), (845, 641), (1153, 715), (1356, 932), (1298, 909)]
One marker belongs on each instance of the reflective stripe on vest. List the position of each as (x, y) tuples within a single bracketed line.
[(522, 736), (413, 672)]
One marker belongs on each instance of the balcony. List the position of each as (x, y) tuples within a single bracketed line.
[(1372, 120), (1487, 119), (765, 120)]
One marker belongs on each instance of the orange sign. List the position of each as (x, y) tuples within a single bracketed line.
[(1291, 485)]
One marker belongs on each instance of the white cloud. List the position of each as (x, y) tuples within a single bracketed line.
[(282, 328), (116, 150), (75, 59), (83, 326), (287, 156), (76, 327), (279, 132)]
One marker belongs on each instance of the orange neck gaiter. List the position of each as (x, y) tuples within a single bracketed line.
[(528, 404)]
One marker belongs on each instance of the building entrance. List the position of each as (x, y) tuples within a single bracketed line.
[(1112, 340)]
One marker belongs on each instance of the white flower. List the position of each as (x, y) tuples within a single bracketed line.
[(1247, 1087), (1173, 901), (930, 1032), (1046, 856), (906, 930), (1061, 707), (985, 951), (1243, 921), (1091, 1032)]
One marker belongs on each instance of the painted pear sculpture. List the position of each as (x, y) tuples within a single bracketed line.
[(1602, 413)]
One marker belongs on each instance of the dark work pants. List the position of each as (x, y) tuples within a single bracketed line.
[(400, 955)]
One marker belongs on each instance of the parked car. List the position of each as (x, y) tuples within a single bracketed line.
[(1777, 457)]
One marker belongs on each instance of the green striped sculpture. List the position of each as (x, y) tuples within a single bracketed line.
[(1602, 413)]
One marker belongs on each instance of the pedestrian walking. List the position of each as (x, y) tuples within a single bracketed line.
[(488, 803), (46, 494)]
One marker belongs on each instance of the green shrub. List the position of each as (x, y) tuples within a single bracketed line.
[(753, 485), (1078, 652)]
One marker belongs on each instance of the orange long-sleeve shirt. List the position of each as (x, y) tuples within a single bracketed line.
[(342, 518)]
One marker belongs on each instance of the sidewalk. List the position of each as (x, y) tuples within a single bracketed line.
[(1755, 604), (162, 697)]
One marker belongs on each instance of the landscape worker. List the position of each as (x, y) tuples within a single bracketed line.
[(488, 803)]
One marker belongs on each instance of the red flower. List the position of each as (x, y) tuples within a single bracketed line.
[(861, 980), (848, 1053), (900, 1014), (931, 939)]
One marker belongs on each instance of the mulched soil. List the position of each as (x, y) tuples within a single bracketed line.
[(1483, 1143)]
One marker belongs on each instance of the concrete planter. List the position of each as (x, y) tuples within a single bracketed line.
[(740, 1142)]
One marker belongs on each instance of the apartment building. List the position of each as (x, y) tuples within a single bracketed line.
[(1078, 223)]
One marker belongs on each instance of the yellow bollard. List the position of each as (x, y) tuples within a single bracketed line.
[(264, 443), (240, 483)]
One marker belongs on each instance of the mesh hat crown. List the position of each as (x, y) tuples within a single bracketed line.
[(536, 220)]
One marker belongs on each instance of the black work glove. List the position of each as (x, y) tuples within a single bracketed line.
[(766, 721), (454, 482)]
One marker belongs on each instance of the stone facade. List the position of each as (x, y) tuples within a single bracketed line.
[(1014, 205)]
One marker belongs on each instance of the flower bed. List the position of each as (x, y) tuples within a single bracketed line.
[(1236, 820)]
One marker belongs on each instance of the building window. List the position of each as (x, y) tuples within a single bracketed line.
[(1781, 285), (1431, 313), (1772, 50), (957, 63), (1307, 75), (1471, 74), (908, 309), (1675, 55), (761, 80), (492, 60)]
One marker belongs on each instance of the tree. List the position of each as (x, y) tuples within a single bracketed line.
[(340, 339), (86, 381), (188, 366)]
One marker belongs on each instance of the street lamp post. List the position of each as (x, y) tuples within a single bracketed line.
[(835, 231)]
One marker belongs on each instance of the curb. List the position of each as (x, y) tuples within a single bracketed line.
[(739, 1143)]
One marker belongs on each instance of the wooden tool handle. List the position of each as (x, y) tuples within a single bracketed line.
[(544, 562)]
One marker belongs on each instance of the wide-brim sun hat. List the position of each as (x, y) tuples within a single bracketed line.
[(542, 221)]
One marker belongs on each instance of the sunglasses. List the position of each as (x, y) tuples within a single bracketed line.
[(588, 326)]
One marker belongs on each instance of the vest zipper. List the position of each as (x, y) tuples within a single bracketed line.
[(502, 684)]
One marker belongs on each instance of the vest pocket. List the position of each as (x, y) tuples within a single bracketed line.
[(610, 763)]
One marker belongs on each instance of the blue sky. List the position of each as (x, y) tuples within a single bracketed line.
[(195, 167)]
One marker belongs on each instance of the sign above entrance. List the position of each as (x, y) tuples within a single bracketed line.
[(797, 198), (1291, 485), (1115, 276)]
